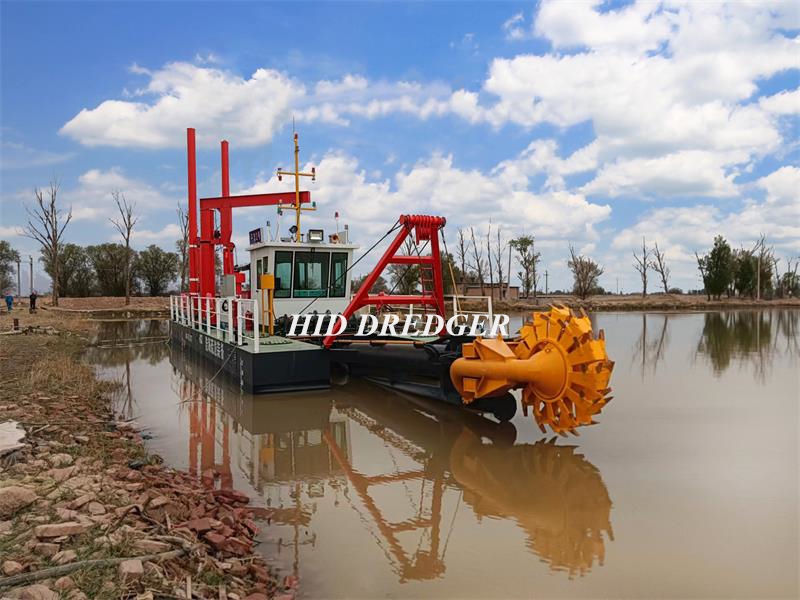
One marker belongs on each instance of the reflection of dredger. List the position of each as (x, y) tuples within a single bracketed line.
[(555, 495)]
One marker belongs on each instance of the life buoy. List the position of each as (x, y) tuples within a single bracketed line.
[(335, 238)]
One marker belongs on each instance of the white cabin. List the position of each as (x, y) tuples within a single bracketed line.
[(304, 271)]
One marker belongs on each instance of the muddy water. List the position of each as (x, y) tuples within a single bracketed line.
[(687, 488)]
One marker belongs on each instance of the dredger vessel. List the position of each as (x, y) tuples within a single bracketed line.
[(240, 319)]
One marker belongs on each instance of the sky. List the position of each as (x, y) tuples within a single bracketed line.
[(590, 124)]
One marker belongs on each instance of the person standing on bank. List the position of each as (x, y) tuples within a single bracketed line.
[(9, 301), (32, 299)]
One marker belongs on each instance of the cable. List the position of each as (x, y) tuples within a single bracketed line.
[(385, 235)]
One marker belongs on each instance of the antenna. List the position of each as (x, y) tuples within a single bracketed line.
[(297, 174)]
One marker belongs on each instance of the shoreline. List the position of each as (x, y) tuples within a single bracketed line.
[(87, 512)]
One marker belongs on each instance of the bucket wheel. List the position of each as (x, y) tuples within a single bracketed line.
[(561, 368)]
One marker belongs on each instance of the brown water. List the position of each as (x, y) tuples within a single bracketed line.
[(687, 488)]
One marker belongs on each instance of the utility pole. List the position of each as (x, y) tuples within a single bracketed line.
[(546, 289), (19, 288), (30, 256), (617, 286)]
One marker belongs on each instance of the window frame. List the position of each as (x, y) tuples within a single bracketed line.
[(281, 292), (325, 273), (331, 279)]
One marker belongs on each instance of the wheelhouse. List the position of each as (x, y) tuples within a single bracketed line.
[(308, 276)]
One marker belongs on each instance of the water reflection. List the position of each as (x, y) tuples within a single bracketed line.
[(651, 346), (118, 343), (297, 448), (371, 494), (748, 338)]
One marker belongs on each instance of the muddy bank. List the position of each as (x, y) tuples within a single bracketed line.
[(653, 303), (86, 512)]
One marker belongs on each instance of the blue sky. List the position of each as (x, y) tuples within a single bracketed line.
[(586, 123)]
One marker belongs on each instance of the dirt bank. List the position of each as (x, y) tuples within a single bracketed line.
[(654, 302), (85, 512)]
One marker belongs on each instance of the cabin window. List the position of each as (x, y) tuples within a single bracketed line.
[(283, 274), (338, 274), (311, 274), (259, 271)]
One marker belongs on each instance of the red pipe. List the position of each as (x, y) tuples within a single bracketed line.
[(225, 216), (194, 281)]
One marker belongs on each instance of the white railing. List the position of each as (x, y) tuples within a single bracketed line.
[(485, 316), (228, 318), (247, 314)]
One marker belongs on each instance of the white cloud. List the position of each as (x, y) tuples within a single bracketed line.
[(19, 156), (514, 27), (782, 103), (688, 173), (640, 26), (10, 231), (216, 102), (165, 236), (680, 231)]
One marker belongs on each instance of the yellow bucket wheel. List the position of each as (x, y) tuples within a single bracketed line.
[(562, 369)]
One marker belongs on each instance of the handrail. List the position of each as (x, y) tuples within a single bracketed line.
[(232, 317)]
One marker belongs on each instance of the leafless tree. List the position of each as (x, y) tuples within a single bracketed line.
[(499, 253), (585, 273), (46, 225), (489, 258), (182, 245), (462, 252), (479, 264), (125, 226), (642, 264), (659, 265)]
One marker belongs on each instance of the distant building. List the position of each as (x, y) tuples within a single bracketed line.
[(496, 291)]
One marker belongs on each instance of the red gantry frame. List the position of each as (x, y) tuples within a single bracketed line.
[(426, 229), (201, 247)]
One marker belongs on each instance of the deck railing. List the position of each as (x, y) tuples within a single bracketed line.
[(235, 319)]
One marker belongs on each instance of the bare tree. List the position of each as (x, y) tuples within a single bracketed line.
[(462, 253), (182, 245), (125, 226), (46, 225), (642, 264), (585, 273), (659, 265), (499, 252), (489, 258), (478, 265)]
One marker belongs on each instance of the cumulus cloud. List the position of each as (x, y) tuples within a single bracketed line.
[(782, 103), (680, 231), (662, 84), (437, 185), (182, 95)]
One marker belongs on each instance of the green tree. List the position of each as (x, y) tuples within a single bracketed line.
[(717, 268), (8, 258), (108, 261), (379, 286), (746, 267), (585, 274), (157, 269), (528, 259), (75, 271)]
